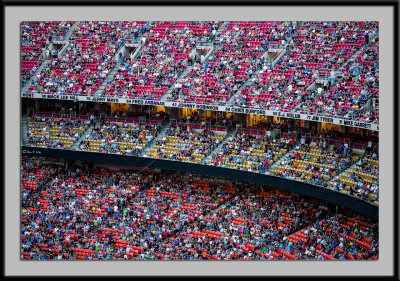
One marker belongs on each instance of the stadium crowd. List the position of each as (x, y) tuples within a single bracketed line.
[(281, 150), (80, 212), (119, 137), (87, 61), (55, 132), (186, 144), (355, 95), (316, 162), (314, 51), (362, 180), (317, 50), (252, 151), (235, 59), (36, 37), (162, 59)]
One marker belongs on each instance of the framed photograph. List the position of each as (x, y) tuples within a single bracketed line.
[(217, 139)]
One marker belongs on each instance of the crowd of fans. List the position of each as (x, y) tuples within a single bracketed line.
[(314, 51), (235, 58), (253, 151), (55, 131), (317, 50), (79, 212), (119, 137), (183, 143), (88, 60), (268, 148), (362, 180), (35, 38), (256, 225), (336, 238), (161, 61), (315, 161), (355, 95)]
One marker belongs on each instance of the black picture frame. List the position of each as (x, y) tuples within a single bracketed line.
[(77, 3)]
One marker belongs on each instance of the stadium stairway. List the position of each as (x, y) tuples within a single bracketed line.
[(45, 62), (228, 136), (354, 56), (138, 50), (338, 73), (343, 172), (152, 142), (219, 31), (62, 51), (273, 63), (284, 51), (110, 76), (84, 135), (28, 84), (245, 84), (74, 25), (209, 53), (209, 213), (65, 39), (190, 67), (169, 91), (283, 157), (287, 46), (352, 165), (24, 130)]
